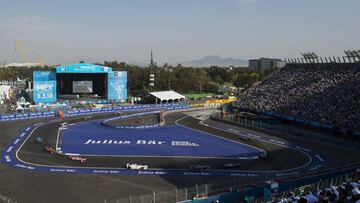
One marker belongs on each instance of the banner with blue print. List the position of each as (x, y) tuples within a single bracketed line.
[(44, 86), (117, 85), (83, 68)]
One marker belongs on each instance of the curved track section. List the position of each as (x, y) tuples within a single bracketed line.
[(283, 159)]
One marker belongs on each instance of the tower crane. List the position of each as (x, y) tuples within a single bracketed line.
[(20, 50)]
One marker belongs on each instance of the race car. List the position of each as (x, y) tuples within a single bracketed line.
[(49, 149), (263, 155), (64, 124), (39, 140), (231, 166), (198, 167), (87, 117), (136, 166), (78, 158)]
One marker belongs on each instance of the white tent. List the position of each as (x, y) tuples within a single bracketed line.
[(167, 96)]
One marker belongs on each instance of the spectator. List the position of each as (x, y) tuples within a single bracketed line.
[(329, 95)]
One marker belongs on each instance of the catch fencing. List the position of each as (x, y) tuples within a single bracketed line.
[(235, 190)]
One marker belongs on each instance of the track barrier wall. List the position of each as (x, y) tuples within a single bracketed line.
[(273, 129), (106, 122), (300, 121), (82, 112)]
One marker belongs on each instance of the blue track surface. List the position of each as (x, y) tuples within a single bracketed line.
[(91, 138)]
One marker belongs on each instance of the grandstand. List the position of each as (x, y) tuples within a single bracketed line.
[(324, 95)]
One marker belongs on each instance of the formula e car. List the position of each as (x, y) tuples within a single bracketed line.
[(64, 123), (49, 149), (87, 117), (231, 166), (39, 140), (136, 166), (78, 158), (198, 167)]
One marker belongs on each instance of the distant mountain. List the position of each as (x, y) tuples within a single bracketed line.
[(208, 61)]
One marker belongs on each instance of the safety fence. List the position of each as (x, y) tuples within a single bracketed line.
[(90, 111), (235, 190), (201, 191), (4, 199)]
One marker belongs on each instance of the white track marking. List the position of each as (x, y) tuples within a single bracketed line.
[(57, 140), (275, 143), (110, 168), (176, 122)]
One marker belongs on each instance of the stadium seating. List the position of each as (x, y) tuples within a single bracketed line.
[(329, 94), (346, 192)]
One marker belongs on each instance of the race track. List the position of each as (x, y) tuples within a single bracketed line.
[(286, 156)]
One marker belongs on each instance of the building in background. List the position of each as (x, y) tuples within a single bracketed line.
[(263, 64)]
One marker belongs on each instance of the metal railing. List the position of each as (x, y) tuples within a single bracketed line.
[(4, 199)]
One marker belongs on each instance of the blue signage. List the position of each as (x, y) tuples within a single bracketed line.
[(117, 85), (44, 86), (83, 68)]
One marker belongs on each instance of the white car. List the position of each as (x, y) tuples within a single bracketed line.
[(64, 124), (136, 166)]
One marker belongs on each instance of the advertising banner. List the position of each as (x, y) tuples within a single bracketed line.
[(117, 85), (44, 86), (83, 68)]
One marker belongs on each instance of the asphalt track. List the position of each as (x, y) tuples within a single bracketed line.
[(93, 139), (286, 156)]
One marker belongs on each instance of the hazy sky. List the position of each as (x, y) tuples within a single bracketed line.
[(66, 31)]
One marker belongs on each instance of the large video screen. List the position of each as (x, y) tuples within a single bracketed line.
[(82, 87)]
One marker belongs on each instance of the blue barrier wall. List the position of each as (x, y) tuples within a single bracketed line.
[(81, 112)]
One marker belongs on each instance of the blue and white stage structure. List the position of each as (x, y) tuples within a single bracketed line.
[(70, 79)]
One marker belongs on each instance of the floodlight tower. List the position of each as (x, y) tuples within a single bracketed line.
[(310, 57), (152, 71), (353, 54)]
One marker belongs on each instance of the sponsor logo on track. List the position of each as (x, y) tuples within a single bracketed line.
[(9, 149), (125, 142), (23, 166), (7, 158), (184, 144), (319, 157)]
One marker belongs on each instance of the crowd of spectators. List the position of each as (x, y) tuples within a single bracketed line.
[(327, 94), (348, 192)]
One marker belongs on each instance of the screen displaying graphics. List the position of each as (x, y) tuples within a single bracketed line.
[(117, 85), (82, 86), (44, 86)]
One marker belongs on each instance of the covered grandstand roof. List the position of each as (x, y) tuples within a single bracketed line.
[(167, 95), (29, 65)]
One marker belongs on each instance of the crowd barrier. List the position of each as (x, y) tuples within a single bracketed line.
[(256, 193), (81, 112)]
